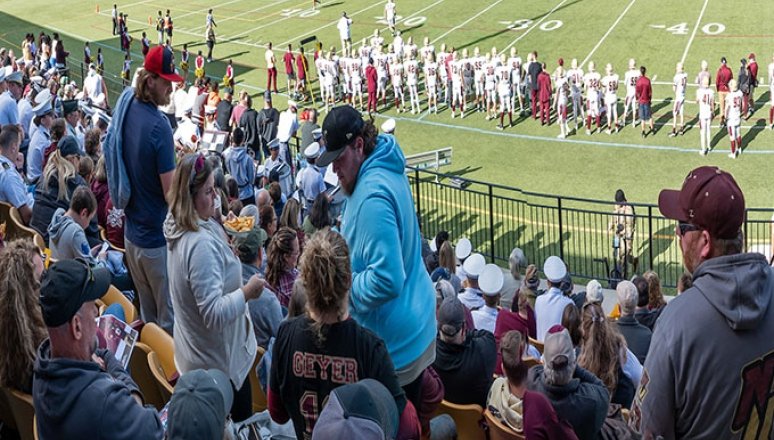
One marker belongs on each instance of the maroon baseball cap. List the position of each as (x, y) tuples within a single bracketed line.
[(159, 61), (710, 199)]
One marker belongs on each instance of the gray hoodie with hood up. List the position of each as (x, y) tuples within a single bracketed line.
[(67, 240), (710, 368)]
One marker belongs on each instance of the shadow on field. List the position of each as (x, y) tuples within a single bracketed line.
[(753, 132), (661, 241)]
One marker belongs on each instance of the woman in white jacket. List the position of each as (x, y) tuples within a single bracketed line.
[(212, 323)]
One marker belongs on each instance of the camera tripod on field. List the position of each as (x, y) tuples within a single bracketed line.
[(622, 259)]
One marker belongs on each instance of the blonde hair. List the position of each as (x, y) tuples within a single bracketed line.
[(21, 321), (290, 213), (601, 346), (63, 170), (181, 193), (327, 276)]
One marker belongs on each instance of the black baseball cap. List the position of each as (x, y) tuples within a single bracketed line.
[(68, 145), (67, 285), (340, 127)]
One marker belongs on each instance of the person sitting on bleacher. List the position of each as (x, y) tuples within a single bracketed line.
[(66, 237), (465, 358), (576, 395), (200, 405), (21, 323), (509, 400), (80, 391)]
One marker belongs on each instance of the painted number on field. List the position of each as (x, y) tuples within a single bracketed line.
[(303, 13), (411, 21), (683, 28), (524, 23)]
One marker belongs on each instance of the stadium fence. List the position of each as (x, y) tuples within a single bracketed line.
[(497, 218)]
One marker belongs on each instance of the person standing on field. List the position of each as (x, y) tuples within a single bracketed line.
[(722, 78)]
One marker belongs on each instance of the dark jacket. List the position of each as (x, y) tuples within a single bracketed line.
[(248, 123), (76, 399), (743, 80), (224, 109), (46, 203), (637, 336), (268, 120), (582, 402), (648, 318), (466, 369)]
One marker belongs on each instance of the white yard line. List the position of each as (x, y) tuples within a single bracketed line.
[(467, 21), (313, 31), (199, 11), (533, 26), (241, 14), (607, 33), (693, 34)]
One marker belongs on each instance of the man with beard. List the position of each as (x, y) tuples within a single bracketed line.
[(140, 164), (80, 391), (392, 294)]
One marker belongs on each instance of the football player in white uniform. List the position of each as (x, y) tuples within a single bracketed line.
[(389, 15), (377, 41), (503, 75), (411, 66), (490, 85), (478, 61), (356, 81), (517, 80), (426, 49), (431, 82), (458, 97), (592, 83), (706, 99), (679, 84), (610, 85), (734, 118), (396, 75), (382, 73), (443, 74), (630, 78), (562, 98), (575, 78)]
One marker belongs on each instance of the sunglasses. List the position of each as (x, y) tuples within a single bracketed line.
[(683, 228)]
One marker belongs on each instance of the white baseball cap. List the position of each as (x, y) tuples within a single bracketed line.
[(554, 269), (594, 292), (463, 248), (389, 126), (491, 280), (312, 151), (474, 265)]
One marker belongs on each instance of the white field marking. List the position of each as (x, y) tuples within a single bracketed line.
[(533, 26), (467, 21), (233, 17), (313, 31), (693, 34), (571, 140), (415, 13), (615, 23), (131, 4), (199, 11), (653, 81)]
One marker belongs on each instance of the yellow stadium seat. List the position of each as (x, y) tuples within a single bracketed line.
[(162, 343), (23, 412), (113, 296), (537, 344), (468, 419), (154, 365), (499, 430), (143, 376), (259, 396)]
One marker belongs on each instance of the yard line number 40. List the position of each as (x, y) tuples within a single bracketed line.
[(683, 28)]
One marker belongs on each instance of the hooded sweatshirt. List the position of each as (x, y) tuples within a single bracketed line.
[(67, 240), (392, 294), (240, 165), (710, 367), (76, 399), (466, 369), (212, 323)]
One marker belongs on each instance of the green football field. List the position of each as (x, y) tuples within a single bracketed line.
[(657, 33)]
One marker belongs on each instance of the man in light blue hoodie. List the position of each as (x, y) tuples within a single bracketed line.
[(392, 294), (241, 166)]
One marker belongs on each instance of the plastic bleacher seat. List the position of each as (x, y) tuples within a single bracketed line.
[(140, 369), (23, 412), (165, 388), (499, 430), (113, 296), (468, 419), (259, 397), (162, 343)]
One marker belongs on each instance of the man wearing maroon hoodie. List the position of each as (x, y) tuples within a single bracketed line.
[(371, 79), (722, 78), (752, 72), (544, 93)]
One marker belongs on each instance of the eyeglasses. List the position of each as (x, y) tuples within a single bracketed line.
[(197, 168), (683, 228)]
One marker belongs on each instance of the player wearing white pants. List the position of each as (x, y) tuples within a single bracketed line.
[(592, 82), (458, 99), (503, 76), (561, 100), (396, 74), (356, 79), (329, 84), (478, 62), (679, 83), (514, 63), (734, 118), (412, 79), (630, 79), (610, 85), (490, 84), (575, 78), (431, 83), (706, 99), (443, 74), (381, 76)]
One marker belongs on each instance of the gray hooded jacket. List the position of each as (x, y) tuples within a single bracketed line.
[(710, 367)]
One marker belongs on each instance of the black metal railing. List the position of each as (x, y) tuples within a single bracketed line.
[(497, 218)]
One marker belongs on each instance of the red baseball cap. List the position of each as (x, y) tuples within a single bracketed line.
[(710, 199), (159, 61)]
